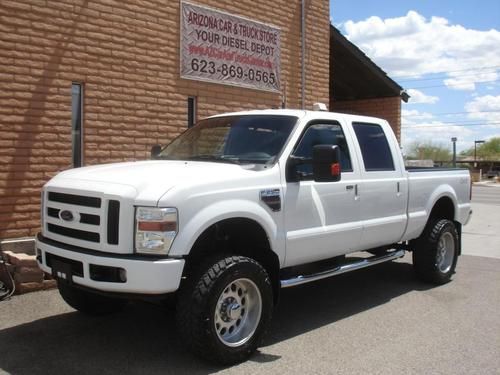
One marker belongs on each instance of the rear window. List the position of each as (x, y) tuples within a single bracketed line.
[(375, 149)]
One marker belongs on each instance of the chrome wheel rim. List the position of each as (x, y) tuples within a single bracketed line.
[(445, 252), (237, 313)]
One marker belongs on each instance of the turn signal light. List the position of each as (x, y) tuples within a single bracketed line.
[(158, 226), (335, 169)]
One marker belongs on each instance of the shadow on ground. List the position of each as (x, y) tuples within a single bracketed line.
[(143, 339)]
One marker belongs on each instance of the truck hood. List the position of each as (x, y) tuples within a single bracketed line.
[(152, 179)]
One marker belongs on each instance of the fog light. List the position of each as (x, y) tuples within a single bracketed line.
[(107, 274), (122, 274)]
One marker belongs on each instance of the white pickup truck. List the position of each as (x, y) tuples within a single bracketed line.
[(239, 206)]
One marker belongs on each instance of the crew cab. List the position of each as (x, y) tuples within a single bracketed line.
[(238, 207)]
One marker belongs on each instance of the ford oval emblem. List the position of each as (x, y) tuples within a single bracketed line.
[(66, 215)]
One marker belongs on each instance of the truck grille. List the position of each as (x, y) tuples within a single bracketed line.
[(75, 199), (83, 218), (75, 233)]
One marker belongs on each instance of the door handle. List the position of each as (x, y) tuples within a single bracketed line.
[(355, 188), (398, 189)]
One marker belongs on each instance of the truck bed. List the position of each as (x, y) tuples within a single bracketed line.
[(427, 186), (433, 169)]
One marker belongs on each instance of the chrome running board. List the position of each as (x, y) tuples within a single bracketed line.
[(302, 279)]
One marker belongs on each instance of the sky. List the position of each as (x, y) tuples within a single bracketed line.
[(445, 53)]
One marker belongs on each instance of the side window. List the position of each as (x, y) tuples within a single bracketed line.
[(375, 149), (322, 134)]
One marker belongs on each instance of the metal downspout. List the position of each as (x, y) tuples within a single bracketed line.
[(303, 45)]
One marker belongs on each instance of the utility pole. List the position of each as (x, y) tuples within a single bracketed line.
[(454, 140)]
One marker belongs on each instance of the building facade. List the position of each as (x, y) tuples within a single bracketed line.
[(359, 86), (388, 108), (84, 82)]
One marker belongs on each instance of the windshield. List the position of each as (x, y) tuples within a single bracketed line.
[(248, 139)]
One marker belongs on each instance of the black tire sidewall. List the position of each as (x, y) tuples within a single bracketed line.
[(198, 298), (425, 256)]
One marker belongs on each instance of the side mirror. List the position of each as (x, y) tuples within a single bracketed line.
[(155, 151), (326, 163)]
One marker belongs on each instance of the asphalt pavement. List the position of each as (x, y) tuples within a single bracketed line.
[(379, 320)]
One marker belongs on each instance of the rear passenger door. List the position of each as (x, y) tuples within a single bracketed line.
[(383, 188)]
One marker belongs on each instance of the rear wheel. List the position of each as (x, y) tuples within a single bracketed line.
[(436, 252), (89, 303), (224, 310)]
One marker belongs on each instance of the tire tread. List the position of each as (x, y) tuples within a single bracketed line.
[(424, 254), (193, 303)]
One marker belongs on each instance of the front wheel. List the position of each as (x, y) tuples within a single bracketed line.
[(436, 253), (225, 309)]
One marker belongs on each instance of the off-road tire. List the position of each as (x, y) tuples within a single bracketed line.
[(426, 252), (89, 303), (199, 298)]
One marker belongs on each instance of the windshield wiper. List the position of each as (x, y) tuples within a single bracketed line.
[(215, 158)]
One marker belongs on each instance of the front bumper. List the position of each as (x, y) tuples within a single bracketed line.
[(143, 275)]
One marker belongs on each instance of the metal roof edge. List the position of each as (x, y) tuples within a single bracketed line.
[(374, 68)]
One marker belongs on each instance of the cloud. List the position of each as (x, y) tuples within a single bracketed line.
[(418, 97), (425, 128), (438, 133), (484, 108), (414, 46), (430, 128), (463, 82), (415, 115)]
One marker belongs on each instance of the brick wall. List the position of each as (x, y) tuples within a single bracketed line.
[(126, 53), (386, 108)]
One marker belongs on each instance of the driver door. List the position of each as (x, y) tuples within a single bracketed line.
[(322, 219)]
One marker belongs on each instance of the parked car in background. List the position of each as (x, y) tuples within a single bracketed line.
[(493, 173)]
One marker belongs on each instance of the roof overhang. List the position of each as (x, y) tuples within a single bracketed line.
[(354, 76)]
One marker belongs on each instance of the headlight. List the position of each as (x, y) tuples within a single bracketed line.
[(155, 229)]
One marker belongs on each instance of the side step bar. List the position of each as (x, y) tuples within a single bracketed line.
[(303, 279)]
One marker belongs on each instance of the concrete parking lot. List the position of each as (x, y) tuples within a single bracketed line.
[(482, 234), (379, 320)]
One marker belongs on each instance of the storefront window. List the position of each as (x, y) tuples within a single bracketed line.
[(76, 123), (191, 111)]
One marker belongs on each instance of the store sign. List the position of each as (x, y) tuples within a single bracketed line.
[(223, 48)]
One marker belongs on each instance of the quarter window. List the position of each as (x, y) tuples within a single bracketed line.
[(375, 149)]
